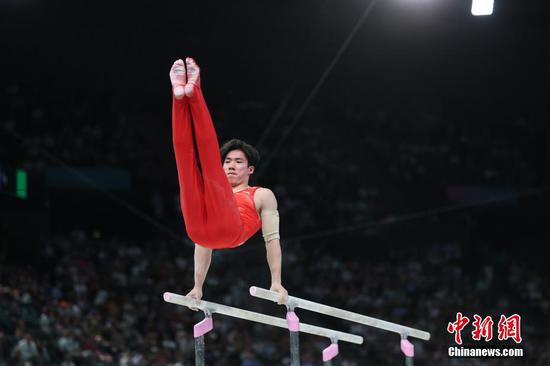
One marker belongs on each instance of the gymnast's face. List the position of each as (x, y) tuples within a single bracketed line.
[(236, 167)]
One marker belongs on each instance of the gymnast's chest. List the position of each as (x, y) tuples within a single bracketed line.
[(247, 203)]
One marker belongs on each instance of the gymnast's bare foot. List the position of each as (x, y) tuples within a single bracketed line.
[(177, 77), (193, 77)]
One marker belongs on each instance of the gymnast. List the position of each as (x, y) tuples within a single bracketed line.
[(220, 209)]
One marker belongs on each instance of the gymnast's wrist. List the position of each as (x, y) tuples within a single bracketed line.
[(275, 282)]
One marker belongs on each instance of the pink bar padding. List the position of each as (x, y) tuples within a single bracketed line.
[(166, 297), (252, 290), (407, 348), (203, 327), (293, 321), (330, 352)]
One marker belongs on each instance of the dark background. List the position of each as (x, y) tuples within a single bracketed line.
[(430, 135)]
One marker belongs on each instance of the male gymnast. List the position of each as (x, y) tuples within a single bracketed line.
[(220, 209)]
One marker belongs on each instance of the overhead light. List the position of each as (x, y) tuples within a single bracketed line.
[(482, 7)]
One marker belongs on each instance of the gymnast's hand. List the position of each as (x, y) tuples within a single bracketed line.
[(195, 293), (277, 287)]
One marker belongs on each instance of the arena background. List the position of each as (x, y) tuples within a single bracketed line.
[(413, 183)]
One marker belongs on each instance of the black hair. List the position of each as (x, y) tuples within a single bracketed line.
[(252, 155)]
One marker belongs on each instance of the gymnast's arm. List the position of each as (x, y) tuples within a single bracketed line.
[(203, 257), (270, 231)]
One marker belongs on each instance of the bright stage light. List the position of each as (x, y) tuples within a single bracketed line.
[(482, 7)]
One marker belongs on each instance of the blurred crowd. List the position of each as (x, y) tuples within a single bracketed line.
[(371, 164), (37, 134), (98, 301), (92, 299)]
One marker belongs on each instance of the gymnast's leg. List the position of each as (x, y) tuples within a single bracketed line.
[(223, 218), (189, 175), (217, 224)]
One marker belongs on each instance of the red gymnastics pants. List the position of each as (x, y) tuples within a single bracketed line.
[(208, 204)]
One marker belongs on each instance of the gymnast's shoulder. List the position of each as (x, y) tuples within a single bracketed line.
[(265, 198)]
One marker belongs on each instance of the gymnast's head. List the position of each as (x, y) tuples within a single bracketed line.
[(239, 161)]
